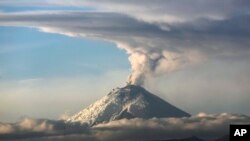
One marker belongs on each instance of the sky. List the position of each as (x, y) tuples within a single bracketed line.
[(36, 65), (57, 57)]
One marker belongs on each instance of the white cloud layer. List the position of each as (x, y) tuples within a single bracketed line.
[(202, 125)]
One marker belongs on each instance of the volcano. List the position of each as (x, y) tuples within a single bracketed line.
[(128, 102)]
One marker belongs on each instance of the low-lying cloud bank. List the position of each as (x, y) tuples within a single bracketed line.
[(39, 128), (201, 125)]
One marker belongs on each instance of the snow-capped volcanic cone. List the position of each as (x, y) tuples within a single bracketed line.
[(128, 102)]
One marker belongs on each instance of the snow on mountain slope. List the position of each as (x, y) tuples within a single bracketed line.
[(128, 102)]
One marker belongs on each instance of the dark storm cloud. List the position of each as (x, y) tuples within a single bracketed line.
[(201, 125)]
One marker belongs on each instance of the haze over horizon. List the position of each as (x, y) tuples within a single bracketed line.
[(66, 55)]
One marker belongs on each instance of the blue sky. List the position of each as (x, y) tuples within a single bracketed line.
[(35, 65), (27, 53)]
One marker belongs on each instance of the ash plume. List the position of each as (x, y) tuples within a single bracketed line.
[(158, 40), (142, 66)]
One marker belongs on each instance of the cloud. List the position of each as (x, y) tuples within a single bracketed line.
[(203, 125), (153, 49), (34, 128), (170, 11), (158, 11)]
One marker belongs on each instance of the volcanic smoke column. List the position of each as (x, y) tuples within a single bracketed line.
[(150, 62)]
